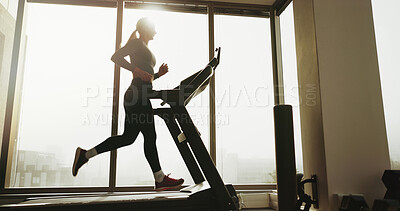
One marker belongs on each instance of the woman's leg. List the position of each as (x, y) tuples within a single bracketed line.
[(131, 126), (131, 131), (162, 181), (147, 127)]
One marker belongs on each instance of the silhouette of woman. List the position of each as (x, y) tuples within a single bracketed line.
[(138, 110)]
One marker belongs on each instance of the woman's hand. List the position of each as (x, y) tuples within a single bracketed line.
[(163, 70), (145, 76)]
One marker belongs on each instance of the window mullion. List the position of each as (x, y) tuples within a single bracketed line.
[(114, 126)]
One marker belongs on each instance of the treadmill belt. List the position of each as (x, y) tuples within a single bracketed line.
[(167, 200)]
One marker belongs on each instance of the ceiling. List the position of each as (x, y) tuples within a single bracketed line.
[(235, 7), (257, 2), (254, 2)]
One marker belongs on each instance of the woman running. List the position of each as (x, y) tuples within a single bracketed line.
[(138, 110)]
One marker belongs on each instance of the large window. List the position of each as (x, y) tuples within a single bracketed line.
[(244, 100), (291, 88), (181, 42), (66, 95), (387, 29), (65, 83)]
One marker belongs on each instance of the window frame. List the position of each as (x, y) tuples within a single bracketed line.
[(205, 7)]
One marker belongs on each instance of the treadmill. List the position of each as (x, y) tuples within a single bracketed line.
[(209, 191)]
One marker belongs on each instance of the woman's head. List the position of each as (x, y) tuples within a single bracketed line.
[(146, 29)]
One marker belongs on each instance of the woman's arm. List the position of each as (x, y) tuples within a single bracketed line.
[(119, 58), (162, 71), (156, 76)]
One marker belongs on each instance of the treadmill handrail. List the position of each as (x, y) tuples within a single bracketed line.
[(193, 79)]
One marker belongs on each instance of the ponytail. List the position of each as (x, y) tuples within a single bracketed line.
[(143, 25)]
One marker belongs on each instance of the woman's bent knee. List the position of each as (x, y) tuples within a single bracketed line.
[(127, 140)]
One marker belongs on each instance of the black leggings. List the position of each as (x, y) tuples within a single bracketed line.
[(138, 118)]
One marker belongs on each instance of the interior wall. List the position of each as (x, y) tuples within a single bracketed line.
[(310, 100), (2, 43), (354, 125), (7, 26), (344, 136)]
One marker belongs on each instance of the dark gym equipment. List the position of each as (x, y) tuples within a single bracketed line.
[(303, 197), (391, 179), (209, 191), (353, 203), (177, 98), (386, 205), (285, 157)]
